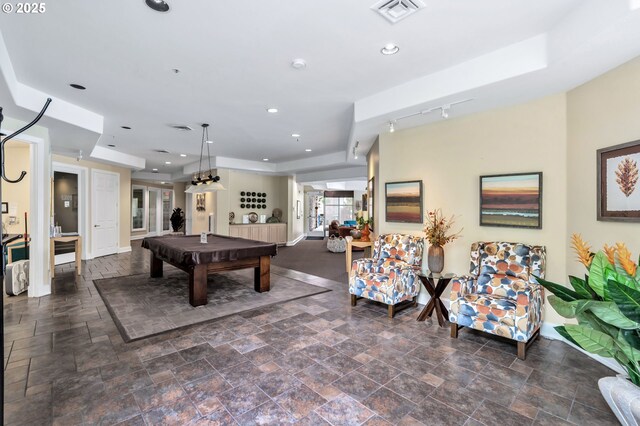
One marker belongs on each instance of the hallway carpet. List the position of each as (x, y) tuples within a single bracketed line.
[(312, 257)]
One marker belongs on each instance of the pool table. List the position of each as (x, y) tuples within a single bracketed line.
[(220, 253)]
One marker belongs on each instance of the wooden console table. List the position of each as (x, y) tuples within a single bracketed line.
[(78, 250)]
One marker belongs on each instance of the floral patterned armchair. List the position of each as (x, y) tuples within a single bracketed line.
[(502, 295), (389, 276)]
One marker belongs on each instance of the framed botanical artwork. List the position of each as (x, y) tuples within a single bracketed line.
[(403, 201), (512, 200), (618, 185), (5, 207), (370, 199)]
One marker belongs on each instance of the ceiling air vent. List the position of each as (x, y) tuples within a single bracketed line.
[(396, 10), (182, 127)]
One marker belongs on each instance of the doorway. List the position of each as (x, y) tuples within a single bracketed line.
[(154, 224), (66, 201), (105, 211), (338, 205), (315, 214)]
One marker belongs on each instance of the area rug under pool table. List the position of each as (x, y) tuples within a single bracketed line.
[(142, 306)]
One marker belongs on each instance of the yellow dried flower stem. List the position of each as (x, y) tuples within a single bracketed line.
[(582, 249), (611, 253), (624, 257)]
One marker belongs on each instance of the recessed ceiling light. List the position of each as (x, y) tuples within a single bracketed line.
[(125, 127), (265, 159), (77, 86), (389, 49), (111, 145), (154, 170), (295, 135), (158, 5), (299, 64), (272, 110), (162, 183), (308, 150), (183, 155), (167, 162), (209, 141)]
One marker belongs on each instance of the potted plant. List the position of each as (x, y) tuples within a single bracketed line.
[(362, 219), (606, 305), (177, 219), (436, 229)]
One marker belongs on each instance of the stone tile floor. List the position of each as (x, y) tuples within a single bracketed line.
[(312, 361)]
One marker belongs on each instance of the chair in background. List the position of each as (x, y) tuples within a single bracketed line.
[(390, 275), (334, 228), (501, 295)]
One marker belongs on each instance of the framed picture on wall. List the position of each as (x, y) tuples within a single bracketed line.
[(298, 209), (370, 204), (618, 185), (5, 207), (512, 200), (403, 201)]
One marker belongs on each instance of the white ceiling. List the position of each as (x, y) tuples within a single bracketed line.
[(235, 60)]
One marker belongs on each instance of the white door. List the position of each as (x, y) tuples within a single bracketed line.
[(154, 227), (105, 195)]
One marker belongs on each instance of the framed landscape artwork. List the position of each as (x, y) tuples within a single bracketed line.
[(618, 185), (513, 200), (403, 201)]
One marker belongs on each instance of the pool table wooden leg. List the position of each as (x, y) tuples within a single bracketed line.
[(198, 285), (156, 266), (262, 275)]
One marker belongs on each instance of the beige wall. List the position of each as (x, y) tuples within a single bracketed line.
[(601, 113), (449, 156), (558, 135), (125, 195), (235, 181), (17, 194), (200, 221), (180, 196)]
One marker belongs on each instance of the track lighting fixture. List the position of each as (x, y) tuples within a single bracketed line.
[(444, 113), (355, 150)]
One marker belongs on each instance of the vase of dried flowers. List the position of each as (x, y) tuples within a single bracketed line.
[(437, 230)]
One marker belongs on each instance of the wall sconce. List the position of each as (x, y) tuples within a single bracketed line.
[(200, 202)]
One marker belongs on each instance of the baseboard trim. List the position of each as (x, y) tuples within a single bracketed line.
[(548, 330), (124, 249), (137, 237), (297, 240)]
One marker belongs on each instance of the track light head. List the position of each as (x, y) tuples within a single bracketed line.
[(392, 127), (445, 112)]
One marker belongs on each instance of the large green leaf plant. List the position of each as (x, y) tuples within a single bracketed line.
[(606, 305)]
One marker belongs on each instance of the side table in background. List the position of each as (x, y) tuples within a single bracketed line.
[(351, 243)]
